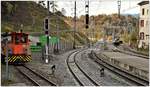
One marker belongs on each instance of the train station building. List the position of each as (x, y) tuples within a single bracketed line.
[(144, 24)]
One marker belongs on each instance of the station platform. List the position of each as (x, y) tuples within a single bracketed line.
[(133, 64)]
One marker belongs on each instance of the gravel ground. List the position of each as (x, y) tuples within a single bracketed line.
[(15, 78), (93, 70), (61, 75)]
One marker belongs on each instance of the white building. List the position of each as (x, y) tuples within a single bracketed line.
[(144, 24)]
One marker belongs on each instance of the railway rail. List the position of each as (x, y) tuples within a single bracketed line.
[(36, 78), (79, 74), (129, 52), (134, 51), (130, 77)]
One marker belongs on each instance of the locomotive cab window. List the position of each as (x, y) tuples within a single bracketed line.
[(17, 39), (24, 39)]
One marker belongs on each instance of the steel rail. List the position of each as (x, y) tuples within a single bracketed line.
[(37, 74), (132, 54), (77, 79), (96, 84), (32, 80), (119, 71)]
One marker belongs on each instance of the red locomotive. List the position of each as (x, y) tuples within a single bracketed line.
[(18, 48)]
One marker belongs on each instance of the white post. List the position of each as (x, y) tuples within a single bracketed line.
[(46, 59)]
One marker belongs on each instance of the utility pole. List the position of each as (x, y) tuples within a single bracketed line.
[(93, 31), (119, 6), (57, 29), (113, 34), (92, 24), (74, 47), (87, 19), (57, 22)]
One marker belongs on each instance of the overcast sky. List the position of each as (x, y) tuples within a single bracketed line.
[(99, 6)]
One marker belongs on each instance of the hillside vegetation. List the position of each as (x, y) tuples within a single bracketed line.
[(98, 23), (29, 16)]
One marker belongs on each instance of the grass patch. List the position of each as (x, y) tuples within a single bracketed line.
[(7, 82)]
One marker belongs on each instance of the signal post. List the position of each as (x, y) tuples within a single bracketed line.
[(46, 26), (46, 29), (87, 20)]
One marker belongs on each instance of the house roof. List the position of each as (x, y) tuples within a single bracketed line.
[(143, 3)]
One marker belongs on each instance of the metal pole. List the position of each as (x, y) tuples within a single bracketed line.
[(113, 34), (58, 35), (47, 35), (74, 25), (119, 6), (6, 60), (87, 20), (93, 33), (57, 30)]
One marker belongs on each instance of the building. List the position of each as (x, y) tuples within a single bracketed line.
[(144, 24)]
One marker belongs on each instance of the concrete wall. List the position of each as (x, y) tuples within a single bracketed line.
[(131, 69)]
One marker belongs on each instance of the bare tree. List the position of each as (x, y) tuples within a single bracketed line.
[(53, 6), (63, 11), (41, 3)]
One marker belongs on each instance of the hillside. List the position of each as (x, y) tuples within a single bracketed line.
[(29, 16), (98, 22)]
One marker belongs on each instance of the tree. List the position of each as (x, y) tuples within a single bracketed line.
[(63, 11), (8, 8), (53, 6), (41, 3)]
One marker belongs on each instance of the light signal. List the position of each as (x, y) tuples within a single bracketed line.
[(46, 26)]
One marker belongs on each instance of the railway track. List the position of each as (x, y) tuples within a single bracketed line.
[(36, 78), (129, 52), (79, 74), (134, 51), (130, 77)]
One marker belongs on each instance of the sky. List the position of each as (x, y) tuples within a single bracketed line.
[(99, 7)]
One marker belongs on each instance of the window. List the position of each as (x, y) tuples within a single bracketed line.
[(17, 40), (147, 23), (142, 36), (24, 39), (142, 23), (147, 37), (143, 11), (20, 39), (147, 11)]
